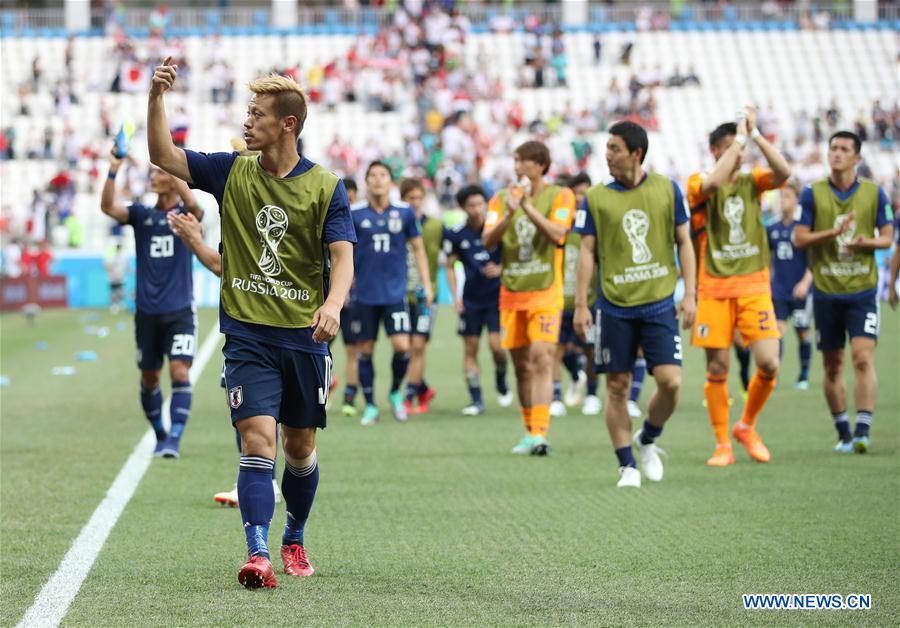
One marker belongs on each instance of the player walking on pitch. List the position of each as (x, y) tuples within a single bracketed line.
[(733, 281), (633, 225), (531, 220), (478, 305), (165, 321), (283, 217), (840, 216), (384, 229), (791, 280)]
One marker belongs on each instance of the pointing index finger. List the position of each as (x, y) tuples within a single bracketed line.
[(168, 60)]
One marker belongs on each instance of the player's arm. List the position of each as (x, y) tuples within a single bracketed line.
[(804, 236), (781, 170), (189, 199), (418, 248), (189, 229), (552, 228), (163, 151), (892, 278), (108, 203), (584, 270), (802, 288), (688, 306), (327, 319), (497, 221), (451, 281), (725, 166)]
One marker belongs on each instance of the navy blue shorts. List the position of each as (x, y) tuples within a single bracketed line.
[(173, 334), (567, 333), (617, 342), (474, 319), (421, 319), (349, 325), (395, 318), (835, 320), (269, 380), (799, 311)]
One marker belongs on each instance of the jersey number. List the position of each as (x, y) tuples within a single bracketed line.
[(182, 344), (382, 242), (162, 246), (323, 392), (677, 354), (871, 324), (401, 321), (784, 251)]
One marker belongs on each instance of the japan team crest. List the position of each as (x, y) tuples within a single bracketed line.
[(236, 396), (395, 225)]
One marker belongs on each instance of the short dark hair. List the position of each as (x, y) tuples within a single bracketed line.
[(848, 135), (633, 135), (409, 184), (350, 184), (470, 190), (377, 163), (582, 178), (721, 132), (535, 151)]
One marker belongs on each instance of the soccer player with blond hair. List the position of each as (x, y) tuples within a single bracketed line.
[(286, 265), (531, 218), (733, 288)]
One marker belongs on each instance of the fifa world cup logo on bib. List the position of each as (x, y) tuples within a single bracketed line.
[(845, 238), (734, 214), (525, 231), (271, 222), (636, 224)]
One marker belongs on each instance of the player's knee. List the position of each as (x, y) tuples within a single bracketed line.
[(862, 363), (717, 367), (299, 451), (768, 364), (180, 370), (669, 383), (149, 379), (617, 387)]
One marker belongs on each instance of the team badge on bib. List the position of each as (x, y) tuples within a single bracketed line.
[(395, 225), (236, 396)]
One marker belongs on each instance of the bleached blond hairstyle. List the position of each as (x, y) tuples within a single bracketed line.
[(290, 100)]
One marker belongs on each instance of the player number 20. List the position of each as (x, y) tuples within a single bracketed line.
[(183, 344), (382, 242), (162, 246)]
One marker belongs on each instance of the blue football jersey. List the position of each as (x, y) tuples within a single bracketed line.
[(479, 291), (164, 277), (379, 259), (788, 262)]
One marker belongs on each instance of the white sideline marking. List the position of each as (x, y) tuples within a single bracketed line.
[(52, 603)]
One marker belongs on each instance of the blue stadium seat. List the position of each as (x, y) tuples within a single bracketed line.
[(213, 18), (261, 18)]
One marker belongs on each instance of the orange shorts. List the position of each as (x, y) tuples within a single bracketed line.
[(716, 320), (520, 328)]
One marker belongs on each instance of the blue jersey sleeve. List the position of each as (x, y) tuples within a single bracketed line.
[(412, 228), (209, 171), (338, 221), (885, 213), (807, 207), (135, 212), (681, 213), (770, 230), (584, 222)]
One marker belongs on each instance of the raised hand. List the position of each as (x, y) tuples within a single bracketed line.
[(163, 77), (751, 117)]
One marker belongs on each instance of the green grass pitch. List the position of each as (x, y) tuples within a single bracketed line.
[(434, 522)]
